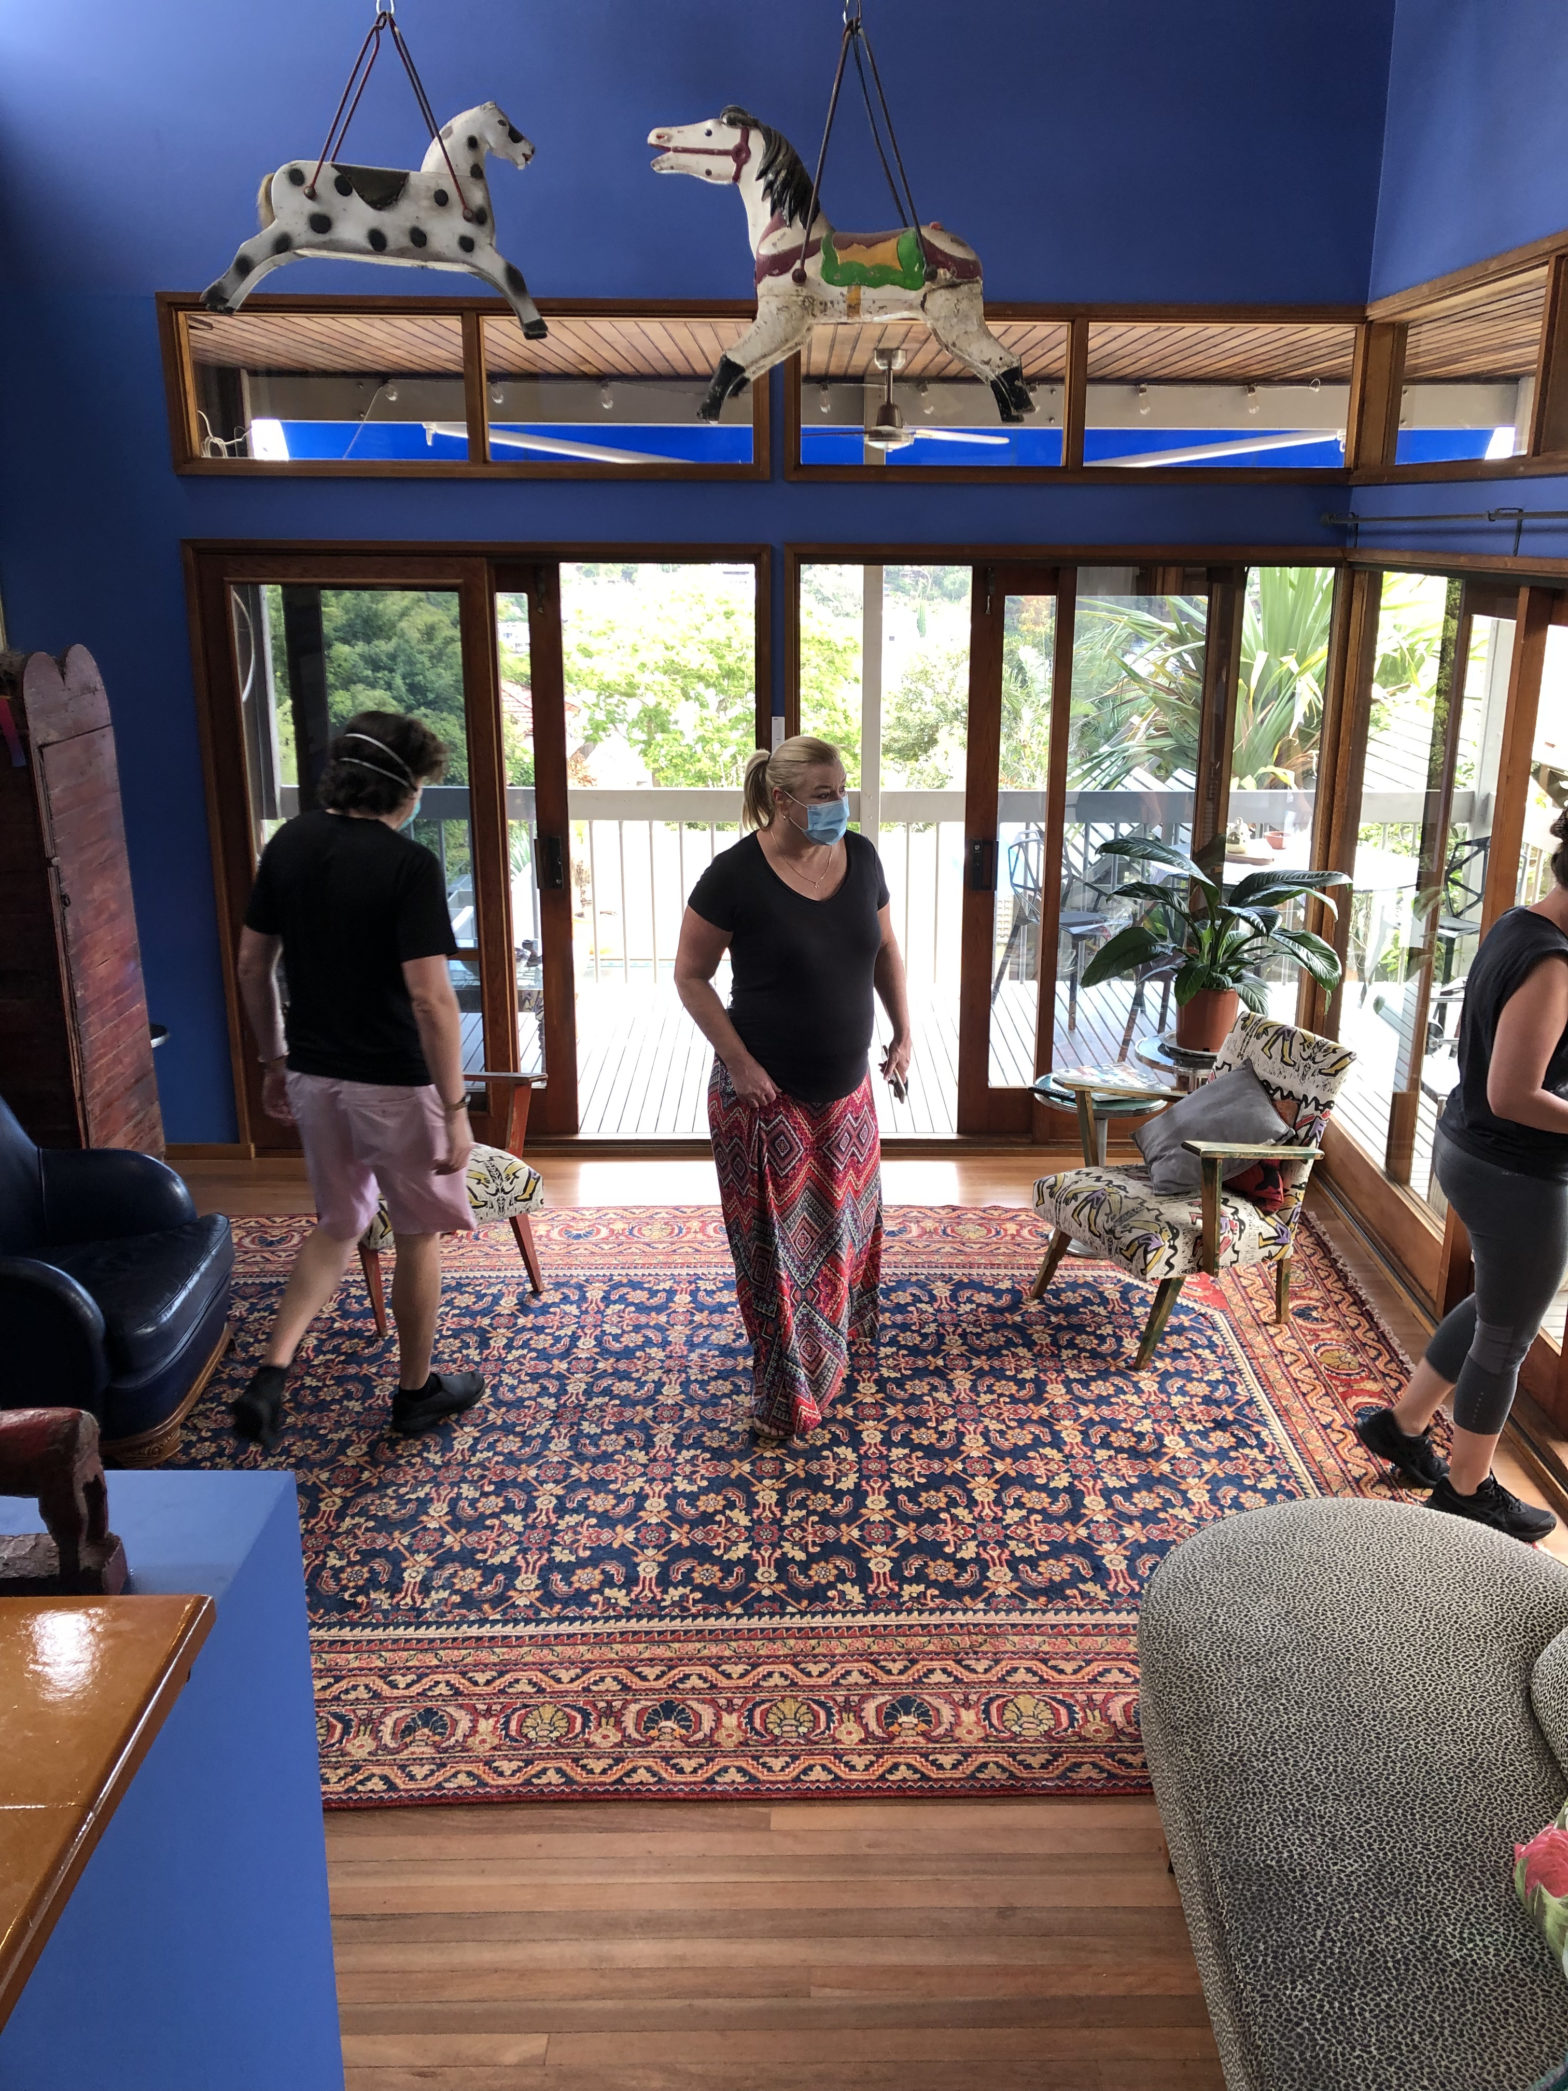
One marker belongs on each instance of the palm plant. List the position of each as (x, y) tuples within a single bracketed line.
[(1214, 936), (1141, 703)]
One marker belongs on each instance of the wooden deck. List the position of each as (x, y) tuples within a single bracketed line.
[(643, 1066)]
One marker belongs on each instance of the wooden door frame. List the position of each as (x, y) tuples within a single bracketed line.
[(982, 1108), (470, 571)]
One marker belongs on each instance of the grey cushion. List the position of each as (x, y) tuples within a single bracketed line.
[(1234, 1106), (1549, 1694), (1336, 1709)]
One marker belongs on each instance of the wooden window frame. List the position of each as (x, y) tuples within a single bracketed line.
[(184, 433), (1077, 319)]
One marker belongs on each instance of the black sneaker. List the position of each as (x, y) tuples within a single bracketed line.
[(257, 1413), (1494, 1505), (443, 1394), (1414, 1459)]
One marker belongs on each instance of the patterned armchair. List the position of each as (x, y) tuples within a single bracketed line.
[(502, 1187), (1118, 1213)]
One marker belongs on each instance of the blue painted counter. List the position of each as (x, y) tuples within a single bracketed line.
[(196, 1952)]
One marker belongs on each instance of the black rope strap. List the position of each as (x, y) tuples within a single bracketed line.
[(359, 78), (855, 37)]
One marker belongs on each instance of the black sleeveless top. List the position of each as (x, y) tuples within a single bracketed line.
[(1509, 953)]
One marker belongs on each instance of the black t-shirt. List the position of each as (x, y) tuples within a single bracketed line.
[(1509, 953), (801, 970), (351, 899)]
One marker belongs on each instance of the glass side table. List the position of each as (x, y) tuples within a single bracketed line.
[(1186, 1064)]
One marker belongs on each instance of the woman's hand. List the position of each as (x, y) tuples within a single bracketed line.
[(895, 1061), (752, 1083)]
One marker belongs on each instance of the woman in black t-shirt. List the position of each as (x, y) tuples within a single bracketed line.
[(801, 907), (1501, 1157)]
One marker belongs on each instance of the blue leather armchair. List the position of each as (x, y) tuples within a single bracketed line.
[(114, 1296)]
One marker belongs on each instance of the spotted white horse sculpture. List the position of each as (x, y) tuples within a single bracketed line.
[(385, 214), (918, 272)]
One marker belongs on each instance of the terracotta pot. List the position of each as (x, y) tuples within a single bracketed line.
[(1204, 1023)]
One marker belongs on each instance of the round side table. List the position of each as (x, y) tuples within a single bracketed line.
[(1186, 1064)]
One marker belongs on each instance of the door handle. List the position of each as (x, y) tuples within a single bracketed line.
[(550, 864), (980, 875)]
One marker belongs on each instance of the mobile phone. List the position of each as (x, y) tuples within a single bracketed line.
[(899, 1087)]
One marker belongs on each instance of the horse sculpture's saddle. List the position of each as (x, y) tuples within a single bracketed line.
[(377, 187), (874, 260)]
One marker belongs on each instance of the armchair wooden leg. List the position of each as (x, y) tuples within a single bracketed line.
[(1282, 1291), (370, 1264), (524, 1235), (1159, 1315), (1053, 1256)]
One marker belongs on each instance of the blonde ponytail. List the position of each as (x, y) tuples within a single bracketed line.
[(756, 808), (781, 771)]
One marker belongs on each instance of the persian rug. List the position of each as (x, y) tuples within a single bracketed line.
[(594, 1585)]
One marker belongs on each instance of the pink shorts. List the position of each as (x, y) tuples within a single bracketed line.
[(359, 1137)]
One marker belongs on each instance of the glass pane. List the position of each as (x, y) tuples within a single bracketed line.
[(522, 828), (902, 730), (1132, 758), (1028, 650), (660, 676), (1467, 855), (1400, 802), (1547, 789), (613, 392), (1470, 374), (1279, 728), (309, 659), (949, 415), (350, 387), (1229, 396)]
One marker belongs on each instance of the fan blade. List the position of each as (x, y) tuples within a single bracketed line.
[(553, 446), (1239, 447), (960, 435)]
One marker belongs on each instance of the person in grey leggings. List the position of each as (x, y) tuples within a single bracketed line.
[(1501, 1157)]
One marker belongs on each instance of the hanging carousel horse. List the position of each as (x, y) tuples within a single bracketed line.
[(437, 218), (811, 276)]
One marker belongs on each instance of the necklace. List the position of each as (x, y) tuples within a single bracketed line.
[(805, 877)]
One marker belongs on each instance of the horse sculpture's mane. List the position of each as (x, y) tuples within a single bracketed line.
[(785, 182)]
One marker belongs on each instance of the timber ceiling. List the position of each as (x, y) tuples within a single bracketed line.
[(1490, 333)]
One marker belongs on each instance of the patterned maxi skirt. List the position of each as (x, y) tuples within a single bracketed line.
[(801, 1189)]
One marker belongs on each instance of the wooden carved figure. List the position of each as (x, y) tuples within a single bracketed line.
[(809, 276), (52, 1456), (437, 218)]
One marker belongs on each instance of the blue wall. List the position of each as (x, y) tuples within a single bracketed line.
[(1473, 156), (1107, 152)]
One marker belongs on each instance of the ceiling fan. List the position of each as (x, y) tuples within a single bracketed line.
[(551, 446), (890, 431)]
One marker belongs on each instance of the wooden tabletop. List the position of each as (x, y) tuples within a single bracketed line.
[(85, 1685)]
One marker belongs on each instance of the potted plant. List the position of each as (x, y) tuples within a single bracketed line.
[(1214, 938)]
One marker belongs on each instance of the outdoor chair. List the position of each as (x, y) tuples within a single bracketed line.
[(1166, 1239), (1464, 891), (501, 1187), (1025, 860)]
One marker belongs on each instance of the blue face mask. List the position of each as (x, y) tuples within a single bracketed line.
[(413, 814), (826, 820)]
